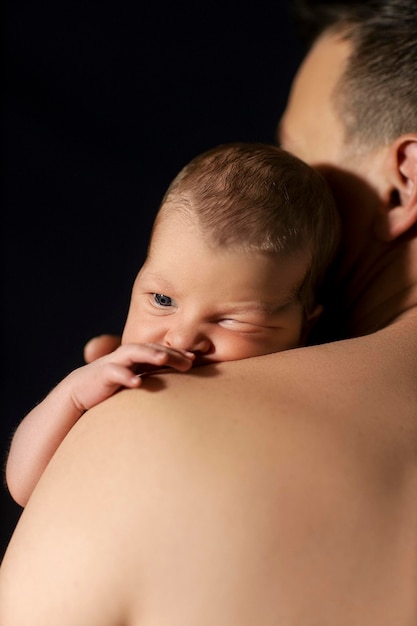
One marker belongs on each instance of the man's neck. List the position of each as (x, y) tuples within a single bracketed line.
[(377, 288)]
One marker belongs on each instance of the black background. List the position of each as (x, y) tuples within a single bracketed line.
[(105, 102)]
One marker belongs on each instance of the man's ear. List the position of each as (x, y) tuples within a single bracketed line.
[(399, 213)]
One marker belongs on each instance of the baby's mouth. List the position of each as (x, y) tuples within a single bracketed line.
[(203, 358)]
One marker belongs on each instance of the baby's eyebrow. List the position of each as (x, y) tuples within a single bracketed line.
[(158, 278)]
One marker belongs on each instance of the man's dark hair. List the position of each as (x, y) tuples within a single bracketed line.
[(377, 95)]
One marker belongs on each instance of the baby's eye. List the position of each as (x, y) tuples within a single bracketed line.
[(238, 325), (162, 300)]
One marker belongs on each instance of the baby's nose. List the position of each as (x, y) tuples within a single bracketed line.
[(188, 338)]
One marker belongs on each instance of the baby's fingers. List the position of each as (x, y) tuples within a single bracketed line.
[(150, 356), (116, 376), (169, 357)]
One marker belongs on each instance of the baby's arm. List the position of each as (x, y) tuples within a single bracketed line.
[(43, 429)]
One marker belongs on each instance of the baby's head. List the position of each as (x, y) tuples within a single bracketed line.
[(237, 257), (260, 198)]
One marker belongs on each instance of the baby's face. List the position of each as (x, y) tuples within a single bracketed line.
[(221, 304)]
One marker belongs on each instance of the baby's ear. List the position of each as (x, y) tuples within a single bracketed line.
[(314, 315), (399, 212), (311, 319)]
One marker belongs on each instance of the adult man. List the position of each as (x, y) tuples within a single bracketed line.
[(274, 490)]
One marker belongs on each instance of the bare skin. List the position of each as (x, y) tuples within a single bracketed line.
[(271, 514), (42, 430), (203, 318), (278, 490)]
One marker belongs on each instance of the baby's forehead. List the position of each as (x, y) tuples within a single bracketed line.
[(231, 271), (174, 214), (180, 219)]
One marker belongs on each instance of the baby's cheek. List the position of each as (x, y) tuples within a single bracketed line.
[(139, 330), (237, 346), (243, 346)]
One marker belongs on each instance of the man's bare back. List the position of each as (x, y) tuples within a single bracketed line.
[(299, 510)]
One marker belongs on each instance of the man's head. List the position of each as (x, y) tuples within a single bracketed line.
[(376, 95), (241, 243), (352, 113)]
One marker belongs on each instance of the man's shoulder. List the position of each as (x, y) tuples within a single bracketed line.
[(353, 378), (227, 478)]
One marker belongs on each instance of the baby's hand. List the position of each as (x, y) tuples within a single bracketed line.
[(93, 383)]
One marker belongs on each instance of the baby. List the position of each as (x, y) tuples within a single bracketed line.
[(237, 258)]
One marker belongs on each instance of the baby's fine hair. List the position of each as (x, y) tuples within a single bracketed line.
[(259, 198)]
